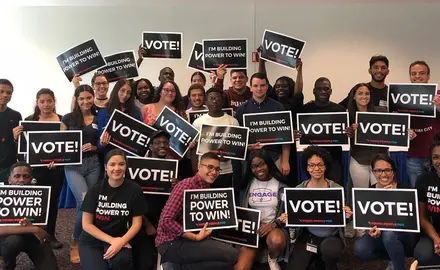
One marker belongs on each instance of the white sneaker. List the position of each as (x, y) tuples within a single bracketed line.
[(273, 264), (349, 231)]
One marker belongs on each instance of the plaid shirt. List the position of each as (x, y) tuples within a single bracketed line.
[(171, 220)]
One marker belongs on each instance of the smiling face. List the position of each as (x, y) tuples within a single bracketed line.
[(322, 91), (5, 94), (100, 86), (85, 101), (362, 96), (379, 71), (209, 170), (116, 167), (282, 88), (260, 169), (316, 167), (435, 158), (419, 74), (46, 103), (384, 172), (21, 175), (168, 93), (197, 79), (160, 147), (143, 90), (238, 80), (197, 98), (124, 93)]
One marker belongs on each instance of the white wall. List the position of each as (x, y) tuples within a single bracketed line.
[(340, 39)]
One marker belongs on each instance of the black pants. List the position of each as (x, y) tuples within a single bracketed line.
[(207, 254), (40, 254), (55, 179), (92, 253), (329, 251), (144, 251)]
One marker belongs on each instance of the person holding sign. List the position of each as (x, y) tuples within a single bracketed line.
[(427, 250), (48, 176), (121, 98), (9, 121), (418, 161), (100, 86), (373, 244), (25, 237), (238, 93), (82, 177), (192, 250), (105, 242), (144, 92), (215, 116), (259, 103), (322, 245), (264, 190)]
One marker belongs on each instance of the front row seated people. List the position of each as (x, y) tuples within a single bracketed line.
[(27, 238)]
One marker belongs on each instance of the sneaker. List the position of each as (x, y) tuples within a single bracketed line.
[(55, 244), (273, 263), (349, 231), (390, 266)]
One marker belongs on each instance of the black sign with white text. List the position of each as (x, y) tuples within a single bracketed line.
[(281, 49), (232, 52), (269, 127), (382, 129), (60, 147), (323, 129), (315, 207), (128, 134), (18, 202), (215, 206), (195, 61), (413, 98), (162, 44), (387, 209), (152, 174), (120, 66), (193, 115), (81, 59), (246, 234), (182, 133), (227, 141), (34, 126)]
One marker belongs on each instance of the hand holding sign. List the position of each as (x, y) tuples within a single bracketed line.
[(203, 233), (17, 131), (221, 71), (265, 229), (105, 138), (374, 232)]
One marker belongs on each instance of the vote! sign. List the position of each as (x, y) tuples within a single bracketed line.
[(34, 126), (315, 207), (281, 49), (215, 206), (387, 209), (227, 141), (182, 133), (162, 44), (413, 98), (232, 52), (195, 61), (152, 174), (120, 66), (269, 127), (246, 234), (382, 129), (193, 115), (323, 129), (18, 202), (60, 147), (81, 59), (128, 133)]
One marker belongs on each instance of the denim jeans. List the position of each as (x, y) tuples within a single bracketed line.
[(424, 252), (396, 244), (415, 167), (80, 178)]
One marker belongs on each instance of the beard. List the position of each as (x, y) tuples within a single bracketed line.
[(378, 81)]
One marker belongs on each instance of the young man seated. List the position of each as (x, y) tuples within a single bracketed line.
[(192, 250), (27, 238)]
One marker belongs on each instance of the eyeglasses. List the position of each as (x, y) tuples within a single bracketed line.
[(100, 83), (168, 91), (259, 165), (312, 166), (212, 168), (380, 171)]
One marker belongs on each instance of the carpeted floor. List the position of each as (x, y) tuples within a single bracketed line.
[(65, 227)]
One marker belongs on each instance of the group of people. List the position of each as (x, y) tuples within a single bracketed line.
[(149, 224)]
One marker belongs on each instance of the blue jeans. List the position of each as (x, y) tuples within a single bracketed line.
[(396, 244), (80, 178), (415, 167), (424, 252)]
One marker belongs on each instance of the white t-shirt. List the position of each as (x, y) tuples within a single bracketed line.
[(225, 120), (263, 196)]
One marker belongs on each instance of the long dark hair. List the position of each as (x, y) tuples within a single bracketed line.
[(200, 74), (110, 154), (178, 101), (43, 91), (352, 107), (113, 102), (150, 85), (290, 84), (273, 170), (76, 117)]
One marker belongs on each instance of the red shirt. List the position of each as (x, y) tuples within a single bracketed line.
[(171, 220), (234, 100), (426, 128)]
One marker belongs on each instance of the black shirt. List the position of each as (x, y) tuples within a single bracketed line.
[(9, 119), (89, 133), (378, 96), (428, 192), (114, 208)]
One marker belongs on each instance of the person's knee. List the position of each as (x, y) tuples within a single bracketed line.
[(275, 241), (362, 249), (424, 251), (388, 237), (122, 260), (12, 245), (331, 249)]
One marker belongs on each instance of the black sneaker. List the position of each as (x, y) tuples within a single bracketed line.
[(55, 244)]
